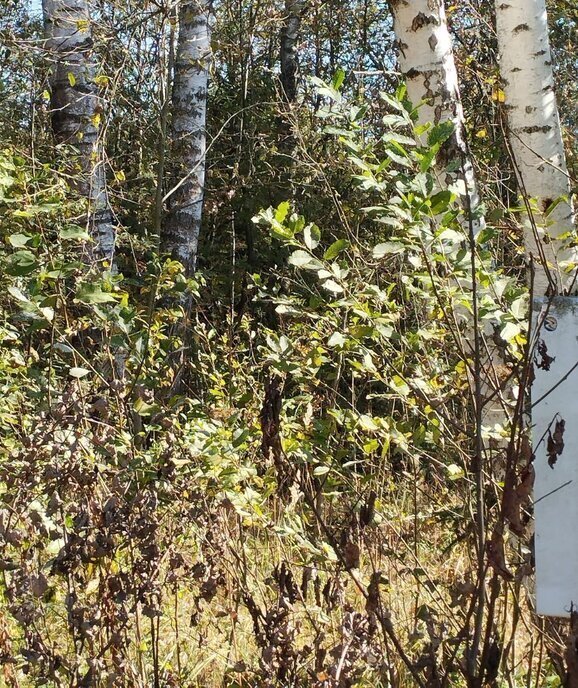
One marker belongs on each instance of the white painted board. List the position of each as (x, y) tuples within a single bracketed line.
[(554, 398)]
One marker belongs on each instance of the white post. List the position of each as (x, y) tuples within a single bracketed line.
[(537, 148)]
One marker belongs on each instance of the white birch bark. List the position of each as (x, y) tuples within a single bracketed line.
[(535, 137), (427, 62), (288, 53), (77, 112), (180, 236)]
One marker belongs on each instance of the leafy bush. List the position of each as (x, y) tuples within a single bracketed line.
[(190, 497)]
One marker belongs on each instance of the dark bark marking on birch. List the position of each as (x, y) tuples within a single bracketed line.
[(536, 129), (420, 20)]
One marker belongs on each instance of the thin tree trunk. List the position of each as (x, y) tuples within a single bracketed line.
[(289, 60), (77, 112), (289, 57), (180, 236), (535, 136), (427, 62), (166, 76)]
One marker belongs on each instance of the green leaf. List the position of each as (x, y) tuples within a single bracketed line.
[(18, 295), (312, 236), (313, 264), (299, 258), (92, 293), (332, 286), (394, 121), (145, 409), (392, 102), (440, 202), (371, 446), (357, 112), (426, 160), (74, 232), (78, 372), (296, 223), (367, 423), (280, 231), (398, 138), (335, 249), (455, 472), (440, 133), (282, 211), (556, 202), (47, 312), (338, 78), (510, 331), (21, 263), (399, 159), (399, 385), (18, 240), (387, 248), (286, 309), (519, 307), (321, 470), (336, 339)]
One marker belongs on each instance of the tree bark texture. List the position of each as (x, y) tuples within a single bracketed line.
[(288, 54), (427, 62), (535, 137), (180, 236), (77, 112)]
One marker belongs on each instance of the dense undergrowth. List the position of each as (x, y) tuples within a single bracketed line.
[(287, 486)]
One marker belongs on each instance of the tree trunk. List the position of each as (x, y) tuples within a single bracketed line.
[(180, 235), (77, 112), (289, 60), (426, 60), (535, 136)]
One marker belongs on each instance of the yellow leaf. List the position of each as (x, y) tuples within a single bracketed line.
[(498, 95), (95, 119), (120, 176), (71, 79), (481, 134), (101, 80), (82, 25)]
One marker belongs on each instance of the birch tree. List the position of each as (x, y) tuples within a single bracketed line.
[(426, 61), (77, 112), (180, 235), (535, 139)]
